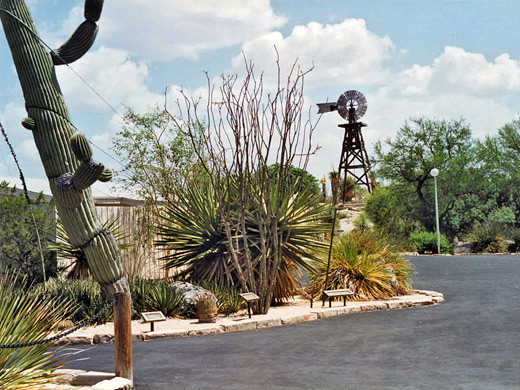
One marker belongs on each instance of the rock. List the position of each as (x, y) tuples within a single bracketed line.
[(463, 247), (191, 293)]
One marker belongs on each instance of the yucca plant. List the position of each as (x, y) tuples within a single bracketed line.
[(194, 230), (364, 263), (26, 318), (78, 267)]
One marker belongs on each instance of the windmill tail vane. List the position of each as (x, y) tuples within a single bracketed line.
[(327, 107)]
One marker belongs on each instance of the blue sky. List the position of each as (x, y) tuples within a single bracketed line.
[(440, 59)]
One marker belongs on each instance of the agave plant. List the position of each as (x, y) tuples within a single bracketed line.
[(78, 267), (25, 318), (163, 297), (193, 229), (365, 264)]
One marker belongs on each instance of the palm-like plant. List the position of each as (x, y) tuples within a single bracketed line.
[(78, 267), (25, 318), (365, 264), (193, 229)]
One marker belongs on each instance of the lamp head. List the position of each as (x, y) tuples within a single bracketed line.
[(434, 172)]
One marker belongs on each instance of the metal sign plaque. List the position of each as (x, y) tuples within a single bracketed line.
[(152, 316), (249, 296)]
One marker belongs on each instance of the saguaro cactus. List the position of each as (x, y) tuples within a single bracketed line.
[(65, 154)]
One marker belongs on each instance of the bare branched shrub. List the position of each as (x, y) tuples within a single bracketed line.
[(247, 132)]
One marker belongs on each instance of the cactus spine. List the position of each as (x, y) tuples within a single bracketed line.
[(65, 154)]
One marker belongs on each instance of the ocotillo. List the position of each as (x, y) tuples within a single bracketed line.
[(66, 155)]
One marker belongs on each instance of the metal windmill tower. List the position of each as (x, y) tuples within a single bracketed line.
[(351, 105)]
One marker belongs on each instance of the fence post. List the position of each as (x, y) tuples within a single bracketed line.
[(123, 335)]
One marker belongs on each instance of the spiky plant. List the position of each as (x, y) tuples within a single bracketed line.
[(163, 297), (193, 230), (364, 263), (207, 309), (84, 296), (25, 318)]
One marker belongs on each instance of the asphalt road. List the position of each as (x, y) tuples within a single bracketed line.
[(471, 341)]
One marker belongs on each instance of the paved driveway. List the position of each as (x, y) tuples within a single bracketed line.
[(472, 341)]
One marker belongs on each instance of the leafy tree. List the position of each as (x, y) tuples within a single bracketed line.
[(306, 179), (419, 146), (466, 193), (19, 251), (159, 156), (500, 154), (499, 157)]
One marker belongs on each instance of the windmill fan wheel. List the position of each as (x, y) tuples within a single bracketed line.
[(353, 102)]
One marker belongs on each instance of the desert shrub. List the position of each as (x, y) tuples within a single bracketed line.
[(388, 215), (490, 236), (514, 245), (19, 251), (364, 263), (363, 222), (196, 231), (83, 295), (427, 242)]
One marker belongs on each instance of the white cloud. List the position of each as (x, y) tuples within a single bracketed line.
[(112, 74), (347, 52), (457, 69), (165, 30), (457, 84)]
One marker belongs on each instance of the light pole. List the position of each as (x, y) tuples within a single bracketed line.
[(435, 172)]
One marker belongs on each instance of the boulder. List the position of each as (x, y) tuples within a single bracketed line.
[(463, 247), (191, 293)]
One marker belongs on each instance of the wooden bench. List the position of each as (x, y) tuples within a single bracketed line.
[(344, 292), (249, 297)]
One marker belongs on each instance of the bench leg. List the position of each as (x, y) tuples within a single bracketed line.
[(249, 309), (330, 302), (344, 300)]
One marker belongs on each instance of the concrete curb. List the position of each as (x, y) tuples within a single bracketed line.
[(239, 324)]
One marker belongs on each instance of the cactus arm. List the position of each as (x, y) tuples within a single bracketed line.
[(65, 155), (83, 38), (78, 44)]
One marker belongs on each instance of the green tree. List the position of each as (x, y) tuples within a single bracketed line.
[(19, 251), (159, 156), (465, 191), (419, 146), (499, 156)]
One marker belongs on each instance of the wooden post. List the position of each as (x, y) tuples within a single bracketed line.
[(123, 335)]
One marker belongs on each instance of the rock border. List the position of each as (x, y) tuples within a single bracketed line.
[(419, 298)]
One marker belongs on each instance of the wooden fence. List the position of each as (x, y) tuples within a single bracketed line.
[(143, 258)]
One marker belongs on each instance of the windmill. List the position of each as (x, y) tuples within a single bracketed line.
[(351, 105)]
